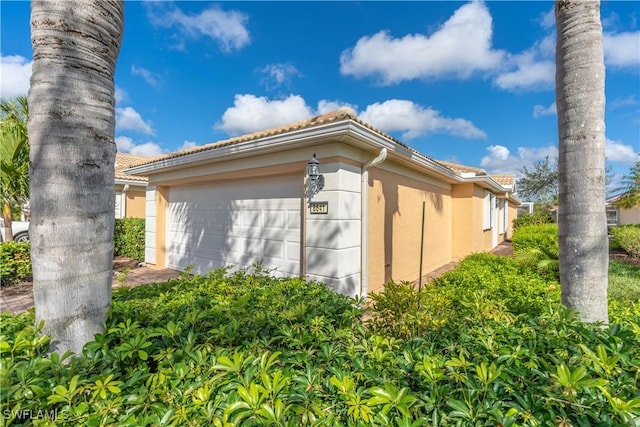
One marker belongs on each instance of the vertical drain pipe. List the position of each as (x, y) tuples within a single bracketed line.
[(364, 221)]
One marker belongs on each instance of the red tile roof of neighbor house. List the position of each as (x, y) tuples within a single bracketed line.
[(126, 160), (340, 114)]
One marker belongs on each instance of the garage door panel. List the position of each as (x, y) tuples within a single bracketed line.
[(236, 223)]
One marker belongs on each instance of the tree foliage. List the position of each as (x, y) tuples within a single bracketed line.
[(629, 194), (14, 156), (539, 182)]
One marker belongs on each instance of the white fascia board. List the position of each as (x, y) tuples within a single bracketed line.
[(377, 141), (249, 148), (489, 183), (120, 181)]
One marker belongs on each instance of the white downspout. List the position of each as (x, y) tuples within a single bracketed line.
[(364, 221), (123, 201)]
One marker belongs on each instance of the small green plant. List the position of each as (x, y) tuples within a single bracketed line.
[(121, 277), (128, 238), (540, 216), (536, 246), (15, 262), (627, 237)]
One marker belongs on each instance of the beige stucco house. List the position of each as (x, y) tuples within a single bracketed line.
[(242, 200), (131, 190)]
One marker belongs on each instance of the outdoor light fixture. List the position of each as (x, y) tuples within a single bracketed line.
[(315, 181)]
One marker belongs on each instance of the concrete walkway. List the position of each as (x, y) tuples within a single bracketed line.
[(16, 299)]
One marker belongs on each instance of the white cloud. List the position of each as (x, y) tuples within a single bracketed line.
[(460, 47), (152, 79), (121, 95), (251, 113), (548, 19), (278, 74), (533, 69), (616, 151), (621, 102), (501, 160), (129, 119), (126, 145), (227, 28), (622, 50), (187, 144), (16, 73), (541, 110), (414, 120), (326, 106)]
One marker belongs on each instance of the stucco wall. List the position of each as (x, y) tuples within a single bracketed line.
[(513, 214), (136, 204), (629, 216), (468, 235), (395, 215)]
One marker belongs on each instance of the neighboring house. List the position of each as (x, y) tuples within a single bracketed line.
[(130, 189), (242, 201), (621, 216)]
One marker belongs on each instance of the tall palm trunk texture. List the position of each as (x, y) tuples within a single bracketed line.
[(71, 129), (580, 100)]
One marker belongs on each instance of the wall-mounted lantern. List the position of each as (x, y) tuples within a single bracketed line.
[(315, 181)]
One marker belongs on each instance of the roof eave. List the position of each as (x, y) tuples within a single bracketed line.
[(262, 145)]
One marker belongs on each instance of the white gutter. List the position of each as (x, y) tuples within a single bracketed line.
[(364, 220)]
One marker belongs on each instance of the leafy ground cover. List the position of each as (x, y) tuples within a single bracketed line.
[(486, 344)]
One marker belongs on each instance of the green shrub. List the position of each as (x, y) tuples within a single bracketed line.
[(128, 238), (539, 217), (536, 246), (627, 237), (15, 262), (254, 350)]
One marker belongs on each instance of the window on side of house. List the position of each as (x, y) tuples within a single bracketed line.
[(486, 211), (505, 215), (612, 216)]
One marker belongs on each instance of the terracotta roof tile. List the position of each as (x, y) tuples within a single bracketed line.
[(505, 179), (126, 160), (331, 117), (458, 168)]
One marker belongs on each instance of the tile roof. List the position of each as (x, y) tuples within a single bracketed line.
[(505, 179), (126, 160), (340, 114), (458, 168)]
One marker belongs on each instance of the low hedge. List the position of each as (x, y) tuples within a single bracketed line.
[(128, 238), (15, 262), (627, 237), (253, 350)]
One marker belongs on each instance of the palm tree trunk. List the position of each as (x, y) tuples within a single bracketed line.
[(71, 129), (580, 100)]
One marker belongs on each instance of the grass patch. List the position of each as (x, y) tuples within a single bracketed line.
[(624, 281)]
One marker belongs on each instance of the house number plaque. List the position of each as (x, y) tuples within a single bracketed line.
[(319, 208)]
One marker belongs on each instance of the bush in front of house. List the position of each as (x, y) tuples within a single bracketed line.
[(128, 238), (15, 262), (627, 238), (538, 217), (536, 246), (255, 350)]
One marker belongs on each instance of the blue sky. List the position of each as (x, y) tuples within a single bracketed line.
[(465, 82)]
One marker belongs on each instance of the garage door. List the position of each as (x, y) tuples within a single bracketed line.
[(236, 223)]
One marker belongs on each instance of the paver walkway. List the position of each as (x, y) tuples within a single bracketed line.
[(19, 298)]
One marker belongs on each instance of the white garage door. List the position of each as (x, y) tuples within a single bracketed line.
[(236, 223)]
